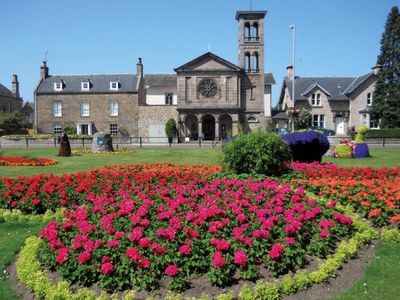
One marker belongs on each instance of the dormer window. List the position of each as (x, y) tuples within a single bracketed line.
[(114, 85), (85, 85), (316, 99), (58, 86)]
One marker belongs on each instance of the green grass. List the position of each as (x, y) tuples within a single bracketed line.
[(381, 278), (12, 237), (92, 161), (380, 157)]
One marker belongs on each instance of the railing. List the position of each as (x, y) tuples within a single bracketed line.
[(140, 142)]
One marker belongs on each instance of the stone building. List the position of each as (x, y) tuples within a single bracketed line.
[(10, 100), (337, 103), (208, 96)]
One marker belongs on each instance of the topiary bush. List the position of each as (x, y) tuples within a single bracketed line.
[(307, 146), (256, 153)]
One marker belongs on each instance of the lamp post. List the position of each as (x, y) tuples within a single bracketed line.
[(293, 28)]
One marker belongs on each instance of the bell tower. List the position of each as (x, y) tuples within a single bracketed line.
[(251, 60)]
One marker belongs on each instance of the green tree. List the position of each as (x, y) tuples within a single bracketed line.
[(12, 121), (170, 129), (300, 117), (386, 100)]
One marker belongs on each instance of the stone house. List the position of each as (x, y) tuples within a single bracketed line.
[(10, 100), (337, 103), (209, 97)]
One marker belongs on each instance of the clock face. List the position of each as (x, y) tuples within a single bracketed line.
[(208, 88)]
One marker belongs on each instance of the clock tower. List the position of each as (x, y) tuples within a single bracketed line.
[(251, 60)]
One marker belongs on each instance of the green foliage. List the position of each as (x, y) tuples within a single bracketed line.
[(362, 131), (13, 121), (391, 235), (344, 151), (300, 117), (267, 291), (384, 133), (256, 153), (69, 129), (170, 128), (386, 100)]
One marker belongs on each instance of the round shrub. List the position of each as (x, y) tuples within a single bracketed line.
[(361, 150), (307, 146), (255, 153)]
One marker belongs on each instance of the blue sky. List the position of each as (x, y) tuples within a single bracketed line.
[(334, 37)]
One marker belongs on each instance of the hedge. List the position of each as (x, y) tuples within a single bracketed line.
[(384, 133)]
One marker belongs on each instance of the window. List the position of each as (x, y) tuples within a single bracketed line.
[(247, 32), (369, 99), (316, 100), (247, 62), (85, 85), (58, 129), (168, 98), (57, 109), (58, 86), (113, 107), (113, 129), (85, 109), (255, 62), (114, 85), (255, 32), (318, 121), (373, 124)]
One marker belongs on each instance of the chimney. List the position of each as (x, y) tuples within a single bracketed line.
[(376, 69), (15, 86), (290, 72), (44, 71), (139, 69)]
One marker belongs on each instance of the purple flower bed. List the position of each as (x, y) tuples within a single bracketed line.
[(307, 146), (361, 150)]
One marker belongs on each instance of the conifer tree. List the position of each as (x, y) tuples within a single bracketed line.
[(386, 100)]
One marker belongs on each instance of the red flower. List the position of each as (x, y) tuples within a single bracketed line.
[(172, 270), (240, 258), (144, 263), (133, 254), (83, 257), (106, 268), (276, 251), (113, 243), (185, 250), (62, 255), (324, 233)]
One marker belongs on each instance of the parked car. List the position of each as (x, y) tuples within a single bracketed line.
[(325, 131), (281, 130)]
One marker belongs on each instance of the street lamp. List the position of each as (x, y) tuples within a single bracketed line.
[(293, 28)]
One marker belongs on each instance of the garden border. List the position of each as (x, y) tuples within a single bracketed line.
[(34, 278)]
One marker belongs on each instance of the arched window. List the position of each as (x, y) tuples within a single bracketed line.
[(255, 62), (247, 62), (255, 32), (251, 120), (247, 32)]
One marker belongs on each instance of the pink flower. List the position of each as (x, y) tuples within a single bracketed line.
[(324, 233), (290, 240), (62, 255), (133, 254), (218, 260), (326, 223), (241, 218), (172, 270), (144, 242), (137, 233), (83, 257), (331, 204), (221, 245), (106, 268), (144, 263), (105, 259), (240, 258), (276, 251), (113, 243), (185, 250)]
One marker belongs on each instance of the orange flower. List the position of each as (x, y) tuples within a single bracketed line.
[(374, 213), (395, 219)]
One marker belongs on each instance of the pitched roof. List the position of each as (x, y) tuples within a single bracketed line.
[(5, 91), (128, 83), (160, 80), (29, 105), (279, 114), (357, 82), (269, 78), (210, 56)]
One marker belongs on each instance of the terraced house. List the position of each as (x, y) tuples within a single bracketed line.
[(209, 97), (337, 103)]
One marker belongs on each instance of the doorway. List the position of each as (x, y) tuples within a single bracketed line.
[(208, 127), (339, 125)]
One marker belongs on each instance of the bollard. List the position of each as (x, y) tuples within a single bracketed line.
[(27, 144), (199, 142), (140, 141)]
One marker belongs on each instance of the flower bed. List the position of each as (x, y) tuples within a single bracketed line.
[(39, 193), (184, 226), (374, 193), (22, 161)]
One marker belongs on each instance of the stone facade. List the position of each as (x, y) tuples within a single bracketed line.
[(152, 119), (10, 100)]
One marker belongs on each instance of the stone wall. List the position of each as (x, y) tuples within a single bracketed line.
[(154, 115), (99, 114), (10, 104)]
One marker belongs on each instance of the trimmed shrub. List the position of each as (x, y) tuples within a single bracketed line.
[(307, 146), (384, 133), (255, 153), (362, 131), (170, 129), (343, 151)]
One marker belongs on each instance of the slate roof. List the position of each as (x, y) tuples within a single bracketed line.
[(5, 91), (28, 105), (278, 114), (128, 83), (160, 80), (336, 88), (269, 78)]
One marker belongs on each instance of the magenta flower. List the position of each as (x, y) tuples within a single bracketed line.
[(106, 268), (240, 258), (172, 270)]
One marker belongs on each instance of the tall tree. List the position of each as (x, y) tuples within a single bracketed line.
[(386, 100)]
